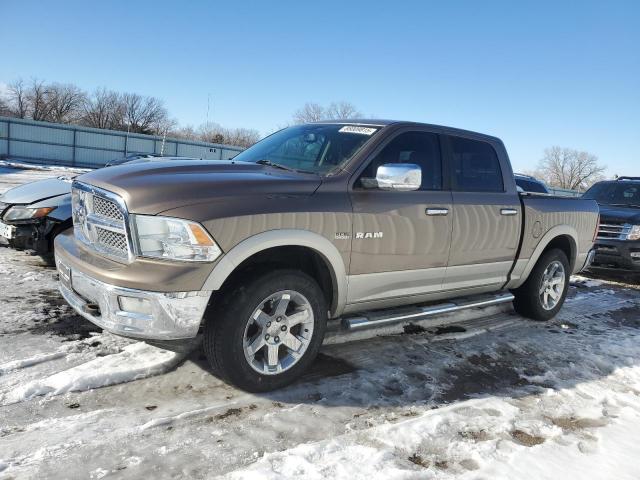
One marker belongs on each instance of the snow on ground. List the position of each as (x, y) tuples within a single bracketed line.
[(489, 395)]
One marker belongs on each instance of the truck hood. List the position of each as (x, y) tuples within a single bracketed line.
[(37, 191), (619, 214), (155, 187)]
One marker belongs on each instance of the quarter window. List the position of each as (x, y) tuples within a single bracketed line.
[(420, 148), (475, 166)]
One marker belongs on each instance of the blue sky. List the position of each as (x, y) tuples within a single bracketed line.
[(535, 74)]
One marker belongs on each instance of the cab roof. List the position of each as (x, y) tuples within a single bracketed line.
[(376, 122)]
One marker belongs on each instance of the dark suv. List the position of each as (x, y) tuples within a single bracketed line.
[(618, 240)]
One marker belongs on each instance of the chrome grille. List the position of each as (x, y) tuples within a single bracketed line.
[(106, 208), (100, 220), (114, 240), (608, 230)]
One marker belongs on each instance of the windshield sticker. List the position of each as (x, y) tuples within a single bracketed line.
[(356, 129)]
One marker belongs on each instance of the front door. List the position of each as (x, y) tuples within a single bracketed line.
[(400, 240)]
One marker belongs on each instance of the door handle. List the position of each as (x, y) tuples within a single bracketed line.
[(435, 212), (508, 211)]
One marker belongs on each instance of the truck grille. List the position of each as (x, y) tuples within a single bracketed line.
[(608, 230), (100, 221), (107, 209), (112, 240)]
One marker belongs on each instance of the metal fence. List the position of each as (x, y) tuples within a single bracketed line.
[(71, 145), (564, 192)]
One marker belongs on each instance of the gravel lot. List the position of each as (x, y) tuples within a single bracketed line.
[(490, 395)]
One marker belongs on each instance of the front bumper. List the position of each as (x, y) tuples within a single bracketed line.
[(167, 316), (33, 235), (617, 254)]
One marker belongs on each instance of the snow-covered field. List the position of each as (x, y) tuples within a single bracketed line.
[(491, 396)]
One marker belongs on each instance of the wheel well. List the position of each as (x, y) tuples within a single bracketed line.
[(292, 257), (566, 244)]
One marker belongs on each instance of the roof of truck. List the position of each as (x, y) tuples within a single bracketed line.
[(377, 122)]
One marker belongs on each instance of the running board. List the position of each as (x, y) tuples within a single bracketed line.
[(383, 318)]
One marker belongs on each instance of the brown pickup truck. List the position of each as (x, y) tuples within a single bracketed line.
[(368, 222)]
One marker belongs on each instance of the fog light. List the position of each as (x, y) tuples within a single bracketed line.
[(135, 305)]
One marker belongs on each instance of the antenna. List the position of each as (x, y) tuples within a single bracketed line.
[(208, 106)]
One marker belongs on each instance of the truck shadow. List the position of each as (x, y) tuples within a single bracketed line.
[(520, 358)]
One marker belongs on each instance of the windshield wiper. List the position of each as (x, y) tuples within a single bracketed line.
[(269, 163)]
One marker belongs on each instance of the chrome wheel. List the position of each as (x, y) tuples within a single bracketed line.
[(552, 285), (278, 332)]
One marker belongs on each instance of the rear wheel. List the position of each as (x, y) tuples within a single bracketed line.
[(544, 292), (265, 334)]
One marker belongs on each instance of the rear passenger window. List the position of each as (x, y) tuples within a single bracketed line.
[(475, 166), (420, 148)]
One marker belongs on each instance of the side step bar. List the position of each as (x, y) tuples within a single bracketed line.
[(382, 318)]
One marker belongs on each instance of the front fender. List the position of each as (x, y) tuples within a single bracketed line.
[(282, 238), (62, 203)]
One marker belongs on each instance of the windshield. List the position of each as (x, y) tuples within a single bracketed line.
[(615, 193), (309, 148)]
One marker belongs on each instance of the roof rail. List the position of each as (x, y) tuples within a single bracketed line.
[(628, 178)]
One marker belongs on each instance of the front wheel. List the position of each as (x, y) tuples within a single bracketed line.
[(544, 292), (266, 333)]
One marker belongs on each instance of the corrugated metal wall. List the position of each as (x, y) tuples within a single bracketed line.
[(54, 143)]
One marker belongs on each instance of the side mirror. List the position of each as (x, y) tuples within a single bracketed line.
[(401, 177)]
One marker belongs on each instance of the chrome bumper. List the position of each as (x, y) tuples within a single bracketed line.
[(161, 316)]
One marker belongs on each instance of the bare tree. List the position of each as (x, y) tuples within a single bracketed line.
[(310, 112), (215, 133), (144, 114), (38, 100), (17, 99), (241, 137), (568, 168), (65, 102), (342, 111), (103, 109), (314, 112), (187, 133), (4, 104)]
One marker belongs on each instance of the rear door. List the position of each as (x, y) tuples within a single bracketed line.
[(401, 240), (486, 214)]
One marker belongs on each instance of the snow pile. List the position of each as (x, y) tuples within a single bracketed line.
[(136, 361), (34, 166), (585, 432), (30, 361)]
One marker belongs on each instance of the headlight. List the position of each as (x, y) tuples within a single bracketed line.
[(634, 233), (175, 239), (19, 212)]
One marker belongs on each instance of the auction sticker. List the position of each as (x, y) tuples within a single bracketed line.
[(357, 129)]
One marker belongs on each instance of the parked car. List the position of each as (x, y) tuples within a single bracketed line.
[(530, 184), (31, 215), (618, 241), (362, 221)]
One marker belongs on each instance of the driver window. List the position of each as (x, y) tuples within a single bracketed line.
[(421, 148)]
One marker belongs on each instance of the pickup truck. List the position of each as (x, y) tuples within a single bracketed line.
[(361, 223)]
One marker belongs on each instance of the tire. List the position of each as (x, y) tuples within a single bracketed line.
[(254, 314), (530, 297)]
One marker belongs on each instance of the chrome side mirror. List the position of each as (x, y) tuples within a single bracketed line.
[(400, 177)]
